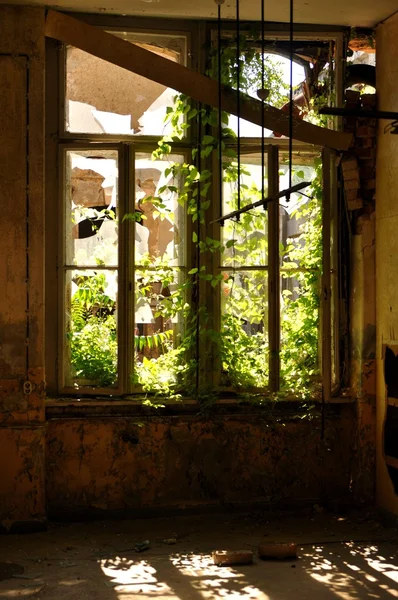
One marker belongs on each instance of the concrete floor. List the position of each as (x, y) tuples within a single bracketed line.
[(346, 557)]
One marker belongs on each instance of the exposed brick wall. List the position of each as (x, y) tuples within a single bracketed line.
[(359, 164)]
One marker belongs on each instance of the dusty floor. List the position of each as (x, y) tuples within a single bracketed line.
[(346, 557)]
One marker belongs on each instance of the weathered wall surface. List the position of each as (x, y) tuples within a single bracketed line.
[(117, 465), (358, 179), (22, 266), (362, 360), (111, 463), (386, 242)]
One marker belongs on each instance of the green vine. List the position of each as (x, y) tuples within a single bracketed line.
[(167, 362)]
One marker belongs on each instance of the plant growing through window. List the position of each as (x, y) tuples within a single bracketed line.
[(194, 317)]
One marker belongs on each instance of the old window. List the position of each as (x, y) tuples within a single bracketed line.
[(156, 295)]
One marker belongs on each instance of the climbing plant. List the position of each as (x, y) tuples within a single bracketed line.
[(168, 362), (242, 350)]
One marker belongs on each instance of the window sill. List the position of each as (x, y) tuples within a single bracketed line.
[(99, 408)]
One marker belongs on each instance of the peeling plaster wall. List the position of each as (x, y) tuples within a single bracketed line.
[(363, 352), (386, 239), (186, 461), (112, 464), (22, 384)]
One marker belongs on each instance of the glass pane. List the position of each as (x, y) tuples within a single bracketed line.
[(245, 240), (313, 77), (276, 84), (244, 329), (300, 328), (300, 218), (301, 267), (91, 205), (91, 328), (159, 313), (160, 229), (104, 98)]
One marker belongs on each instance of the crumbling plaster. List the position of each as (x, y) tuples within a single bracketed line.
[(124, 465)]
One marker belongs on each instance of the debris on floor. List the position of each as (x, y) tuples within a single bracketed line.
[(142, 546), (224, 558)]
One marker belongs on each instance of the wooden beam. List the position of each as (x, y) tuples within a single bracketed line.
[(199, 87)]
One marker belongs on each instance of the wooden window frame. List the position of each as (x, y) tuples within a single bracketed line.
[(125, 145)]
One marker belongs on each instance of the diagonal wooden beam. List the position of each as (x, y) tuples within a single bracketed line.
[(186, 81)]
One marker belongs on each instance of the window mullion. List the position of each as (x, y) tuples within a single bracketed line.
[(273, 271), (126, 261)]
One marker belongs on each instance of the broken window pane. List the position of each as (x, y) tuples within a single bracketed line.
[(244, 289), (104, 98), (159, 316), (300, 217), (300, 278), (159, 228), (160, 306), (91, 207), (245, 240)]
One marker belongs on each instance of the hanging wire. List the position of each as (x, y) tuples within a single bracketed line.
[(262, 103), (238, 92), (198, 256), (220, 149), (290, 100), (231, 292)]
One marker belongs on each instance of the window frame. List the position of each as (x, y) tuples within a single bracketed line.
[(128, 145)]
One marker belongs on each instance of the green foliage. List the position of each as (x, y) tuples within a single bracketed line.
[(300, 324), (244, 356), (93, 350), (250, 71), (92, 334), (166, 361)]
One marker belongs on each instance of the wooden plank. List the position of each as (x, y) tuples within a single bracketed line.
[(36, 198), (186, 81)]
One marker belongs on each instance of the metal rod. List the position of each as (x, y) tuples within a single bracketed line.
[(291, 100), (356, 112), (220, 183), (238, 93), (236, 213), (262, 100)]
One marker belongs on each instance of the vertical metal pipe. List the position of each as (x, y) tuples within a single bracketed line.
[(290, 99), (262, 102), (238, 94)]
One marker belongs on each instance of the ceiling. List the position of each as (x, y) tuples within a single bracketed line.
[(355, 13)]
